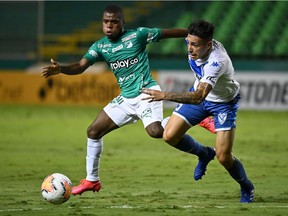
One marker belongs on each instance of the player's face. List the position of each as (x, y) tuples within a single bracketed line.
[(197, 47), (112, 25)]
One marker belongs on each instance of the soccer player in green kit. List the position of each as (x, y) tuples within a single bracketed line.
[(124, 52)]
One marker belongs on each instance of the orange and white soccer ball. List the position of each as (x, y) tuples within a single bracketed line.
[(56, 188)]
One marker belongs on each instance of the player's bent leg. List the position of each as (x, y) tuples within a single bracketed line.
[(100, 126), (86, 185), (237, 172), (174, 134), (234, 167), (155, 129), (208, 124), (92, 181), (175, 128), (201, 167)]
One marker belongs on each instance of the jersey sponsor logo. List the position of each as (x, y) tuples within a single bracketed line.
[(123, 64), (222, 117), (93, 53), (123, 79), (215, 64), (129, 37), (100, 46), (117, 48), (211, 78), (107, 45), (105, 51)]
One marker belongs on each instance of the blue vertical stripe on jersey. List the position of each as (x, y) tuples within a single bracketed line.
[(195, 68)]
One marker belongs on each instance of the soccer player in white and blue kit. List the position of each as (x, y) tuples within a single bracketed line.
[(215, 93)]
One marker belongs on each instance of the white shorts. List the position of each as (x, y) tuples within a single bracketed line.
[(125, 111)]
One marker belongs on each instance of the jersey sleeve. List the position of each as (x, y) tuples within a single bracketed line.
[(212, 72), (149, 35), (93, 54)]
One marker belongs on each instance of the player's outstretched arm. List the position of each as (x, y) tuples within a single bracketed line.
[(173, 33), (195, 97), (72, 69)]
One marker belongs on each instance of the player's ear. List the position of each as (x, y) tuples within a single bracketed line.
[(209, 44)]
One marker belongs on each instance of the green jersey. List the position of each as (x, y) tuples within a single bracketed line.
[(127, 58)]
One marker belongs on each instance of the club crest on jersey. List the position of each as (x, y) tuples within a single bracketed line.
[(222, 117), (128, 44)]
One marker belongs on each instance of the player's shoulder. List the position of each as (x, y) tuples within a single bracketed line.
[(218, 53), (138, 32), (102, 42), (146, 29)]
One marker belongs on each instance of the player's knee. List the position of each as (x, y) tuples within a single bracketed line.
[(168, 138), (155, 130), (156, 133), (92, 133), (224, 159)]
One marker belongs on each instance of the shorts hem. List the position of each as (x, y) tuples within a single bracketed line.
[(182, 117)]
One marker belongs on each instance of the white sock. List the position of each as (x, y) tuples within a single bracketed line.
[(94, 150), (165, 121)]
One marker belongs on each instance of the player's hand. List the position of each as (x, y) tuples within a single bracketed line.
[(50, 70), (154, 95)]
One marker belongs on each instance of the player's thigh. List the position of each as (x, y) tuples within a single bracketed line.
[(190, 113), (120, 111), (224, 142), (150, 112), (102, 125), (225, 114), (175, 129)]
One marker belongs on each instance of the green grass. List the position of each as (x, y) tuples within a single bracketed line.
[(140, 175)]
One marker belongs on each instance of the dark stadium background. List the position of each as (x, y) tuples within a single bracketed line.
[(255, 34)]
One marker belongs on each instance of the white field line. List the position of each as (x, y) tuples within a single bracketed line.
[(139, 207)]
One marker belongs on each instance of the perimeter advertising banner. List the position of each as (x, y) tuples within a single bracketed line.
[(259, 91), (84, 89)]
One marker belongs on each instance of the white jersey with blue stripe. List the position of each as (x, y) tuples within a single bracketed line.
[(218, 71)]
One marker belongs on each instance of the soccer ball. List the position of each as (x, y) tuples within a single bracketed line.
[(56, 188)]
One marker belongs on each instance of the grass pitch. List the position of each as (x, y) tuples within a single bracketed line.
[(140, 175)]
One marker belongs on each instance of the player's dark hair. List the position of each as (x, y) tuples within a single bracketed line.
[(116, 10), (202, 29)]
